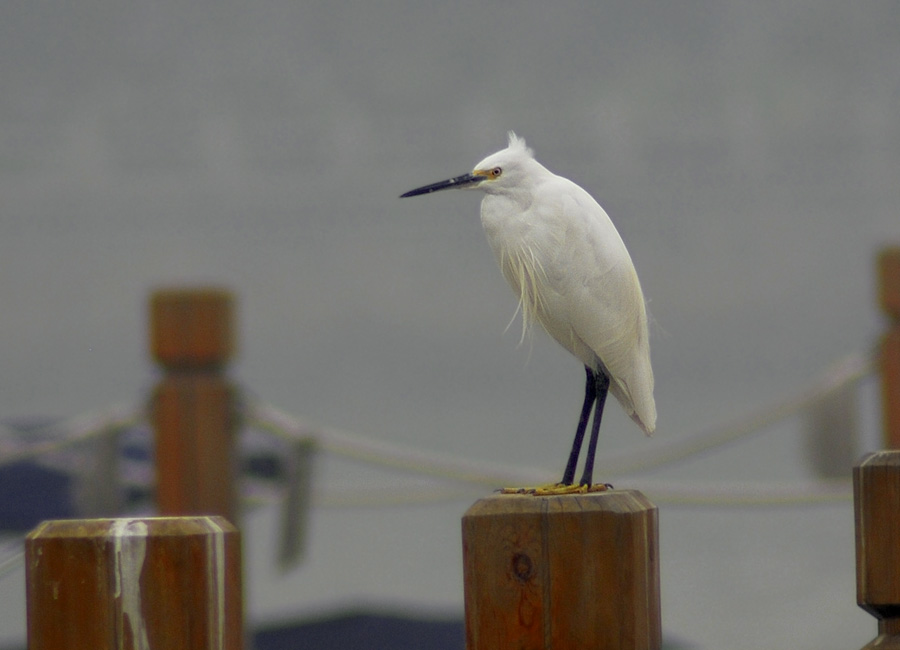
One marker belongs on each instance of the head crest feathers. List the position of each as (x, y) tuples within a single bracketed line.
[(517, 143)]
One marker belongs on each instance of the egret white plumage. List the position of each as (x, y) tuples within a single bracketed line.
[(567, 263)]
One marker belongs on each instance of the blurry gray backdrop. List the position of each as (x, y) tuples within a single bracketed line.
[(748, 152)]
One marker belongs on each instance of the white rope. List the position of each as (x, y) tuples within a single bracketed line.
[(11, 563), (847, 370), (73, 431), (674, 493), (13, 556), (482, 473), (745, 493), (369, 450)]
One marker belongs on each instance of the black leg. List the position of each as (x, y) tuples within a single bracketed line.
[(602, 383), (590, 396)]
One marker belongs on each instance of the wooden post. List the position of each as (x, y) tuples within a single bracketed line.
[(135, 584), (876, 497), (562, 572), (889, 297), (194, 412)]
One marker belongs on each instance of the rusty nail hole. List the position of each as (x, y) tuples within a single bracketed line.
[(522, 566)]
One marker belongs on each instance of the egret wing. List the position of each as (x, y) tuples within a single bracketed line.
[(605, 305)]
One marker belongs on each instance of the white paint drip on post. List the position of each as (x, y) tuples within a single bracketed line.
[(129, 552), (215, 567), (134, 584)]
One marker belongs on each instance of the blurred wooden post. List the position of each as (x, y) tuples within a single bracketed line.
[(194, 412), (876, 496), (112, 584), (889, 297), (562, 572)]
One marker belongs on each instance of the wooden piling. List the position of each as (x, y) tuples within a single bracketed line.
[(562, 572), (134, 584), (876, 500), (889, 298), (194, 405)]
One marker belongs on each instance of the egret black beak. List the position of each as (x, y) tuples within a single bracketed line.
[(466, 180)]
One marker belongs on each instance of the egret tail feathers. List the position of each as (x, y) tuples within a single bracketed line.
[(640, 407)]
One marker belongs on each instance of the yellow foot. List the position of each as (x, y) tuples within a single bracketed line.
[(555, 489)]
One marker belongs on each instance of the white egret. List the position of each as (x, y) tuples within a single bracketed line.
[(567, 263)]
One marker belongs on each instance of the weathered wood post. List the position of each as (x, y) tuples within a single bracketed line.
[(889, 297), (571, 572), (876, 498), (194, 405), (133, 584)]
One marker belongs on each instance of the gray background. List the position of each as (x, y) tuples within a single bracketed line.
[(748, 153)]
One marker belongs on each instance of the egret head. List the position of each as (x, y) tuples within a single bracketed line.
[(497, 173), (506, 169)]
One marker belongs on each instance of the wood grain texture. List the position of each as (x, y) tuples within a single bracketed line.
[(134, 584), (191, 328), (876, 491), (194, 405), (194, 423), (890, 386), (889, 281), (562, 572)]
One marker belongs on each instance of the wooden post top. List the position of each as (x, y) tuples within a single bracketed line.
[(562, 572), (876, 490), (614, 502), (889, 281), (192, 328), (117, 527), (143, 582)]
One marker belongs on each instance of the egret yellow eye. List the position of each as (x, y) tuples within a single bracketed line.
[(495, 172)]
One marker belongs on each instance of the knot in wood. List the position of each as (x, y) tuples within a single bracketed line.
[(522, 567)]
